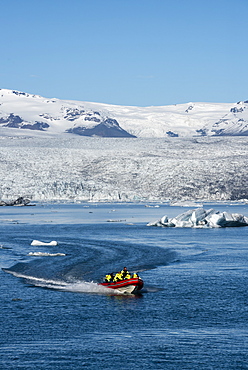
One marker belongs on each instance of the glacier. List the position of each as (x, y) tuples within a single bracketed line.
[(57, 150), (201, 218), (66, 167)]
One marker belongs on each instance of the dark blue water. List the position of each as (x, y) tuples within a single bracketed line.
[(192, 313)]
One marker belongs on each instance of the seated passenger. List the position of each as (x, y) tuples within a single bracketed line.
[(124, 273), (108, 278), (135, 275), (118, 276)]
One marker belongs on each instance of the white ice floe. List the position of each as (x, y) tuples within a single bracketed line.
[(200, 217), (43, 254), (38, 243), (185, 204)]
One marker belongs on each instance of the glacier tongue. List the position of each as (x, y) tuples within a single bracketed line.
[(45, 167)]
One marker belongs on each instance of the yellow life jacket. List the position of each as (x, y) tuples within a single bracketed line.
[(124, 274), (108, 278), (118, 276)]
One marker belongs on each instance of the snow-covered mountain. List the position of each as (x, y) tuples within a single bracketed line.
[(45, 153), (55, 116)]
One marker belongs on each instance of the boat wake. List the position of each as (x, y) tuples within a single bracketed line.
[(75, 287), (82, 263)]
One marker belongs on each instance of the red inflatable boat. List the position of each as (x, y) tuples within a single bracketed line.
[(127, 286)]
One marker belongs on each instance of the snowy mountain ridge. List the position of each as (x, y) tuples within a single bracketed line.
[(33, 112)]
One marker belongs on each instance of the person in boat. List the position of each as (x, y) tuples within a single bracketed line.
[(125, 274), (128, 276), (118, 276), (135, 275), (109, 278)]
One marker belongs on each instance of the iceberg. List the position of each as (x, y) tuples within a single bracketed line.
[(39, 243), (18, 202), (200, 218)]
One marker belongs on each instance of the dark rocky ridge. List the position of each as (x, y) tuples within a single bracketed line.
[(107, 128)]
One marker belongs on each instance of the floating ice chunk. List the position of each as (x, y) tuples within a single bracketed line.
[(231, 220), (38, 243), (185, 204), (183, 220), (164, 220), (200, 217), (155, 223), (215, 220)]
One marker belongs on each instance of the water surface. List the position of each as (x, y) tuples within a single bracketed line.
[(192, 313)]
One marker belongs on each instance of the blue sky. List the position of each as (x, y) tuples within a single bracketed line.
[(126, 52)]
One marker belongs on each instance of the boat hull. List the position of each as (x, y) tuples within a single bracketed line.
[(128, 286)]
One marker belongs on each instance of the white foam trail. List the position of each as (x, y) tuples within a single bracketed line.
[(35, 279), (88, 287), (77, 287), (44, 254)]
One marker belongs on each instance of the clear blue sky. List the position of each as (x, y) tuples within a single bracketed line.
[(127, 52)]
